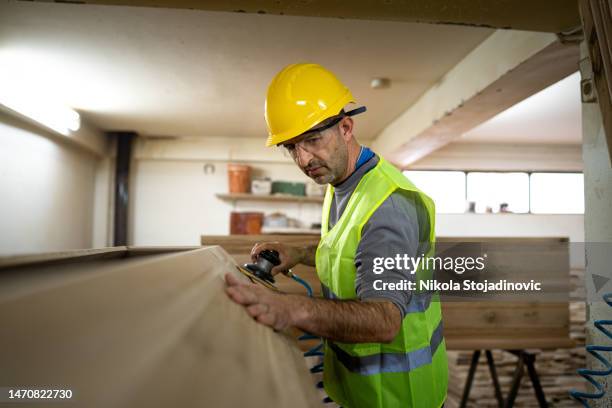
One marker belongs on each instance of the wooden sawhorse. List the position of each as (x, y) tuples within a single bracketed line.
[(524, 359)]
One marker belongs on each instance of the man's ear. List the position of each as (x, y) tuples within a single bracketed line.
[(346, 128)]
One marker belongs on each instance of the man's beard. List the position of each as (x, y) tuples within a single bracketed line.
[(335, 169), (319, 179)]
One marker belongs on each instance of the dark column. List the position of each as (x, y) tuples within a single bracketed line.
[(122, 177)]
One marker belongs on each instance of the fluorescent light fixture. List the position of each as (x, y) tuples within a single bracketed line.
[(52, 115), (24, 90)]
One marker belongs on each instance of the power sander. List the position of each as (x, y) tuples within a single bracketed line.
[(260, 271)]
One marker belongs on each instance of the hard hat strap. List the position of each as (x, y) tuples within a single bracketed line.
[(356, 111)]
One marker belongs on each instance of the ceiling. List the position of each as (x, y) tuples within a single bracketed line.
[(189, 73), (541, 15), (551, 116)]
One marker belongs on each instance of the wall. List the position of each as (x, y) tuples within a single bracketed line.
[(175, 202), (47, 191)]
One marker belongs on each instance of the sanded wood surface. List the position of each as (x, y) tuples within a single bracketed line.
[(144, 331), (61, 256)]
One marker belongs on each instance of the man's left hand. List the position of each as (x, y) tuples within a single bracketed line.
[(266, 307)]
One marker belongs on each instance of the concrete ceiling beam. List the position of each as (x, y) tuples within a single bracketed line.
[(506, 68)]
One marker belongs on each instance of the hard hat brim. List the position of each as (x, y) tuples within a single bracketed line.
[(331, 110)]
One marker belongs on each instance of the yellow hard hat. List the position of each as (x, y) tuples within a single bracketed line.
[(300, 97)]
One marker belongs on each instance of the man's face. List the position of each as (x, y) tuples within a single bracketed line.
[(321, 155)]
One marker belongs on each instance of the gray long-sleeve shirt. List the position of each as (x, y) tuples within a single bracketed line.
[(398, 226)]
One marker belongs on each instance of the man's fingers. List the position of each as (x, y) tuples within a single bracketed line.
[(268, 319), (262, 246), (275, 246), (254, 252), (258, 309), (243, 295), (282, 268), (232, 280)]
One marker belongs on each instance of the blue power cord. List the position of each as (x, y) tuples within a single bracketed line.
[(301, 282), (595, 350), (316, 351)]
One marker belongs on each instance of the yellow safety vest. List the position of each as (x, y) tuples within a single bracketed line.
[(412, 370)]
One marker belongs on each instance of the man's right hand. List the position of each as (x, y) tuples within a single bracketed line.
[(289, 256)]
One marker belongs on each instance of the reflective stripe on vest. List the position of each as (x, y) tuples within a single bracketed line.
[(390, 362)]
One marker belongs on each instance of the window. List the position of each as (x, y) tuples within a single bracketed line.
[(491, 190), (557, 193), (446, 188), (537, 193)]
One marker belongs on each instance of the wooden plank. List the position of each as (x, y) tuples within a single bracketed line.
[(507, 340), (86, 255), (501, 325), (153, 331), (72, 256), (509, 315), (235, 244), (157, 250)]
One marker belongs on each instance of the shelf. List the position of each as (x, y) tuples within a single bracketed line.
[(290, 230), (275, 198)]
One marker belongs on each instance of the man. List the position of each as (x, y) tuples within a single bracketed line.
[(383, 347)]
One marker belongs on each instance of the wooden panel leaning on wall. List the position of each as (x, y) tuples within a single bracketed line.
[(468, 325), (127, 327)]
